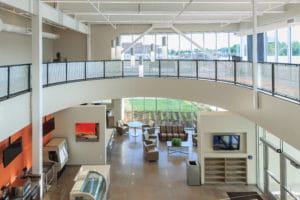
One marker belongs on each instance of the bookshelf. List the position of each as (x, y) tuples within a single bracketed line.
[(225, 170)]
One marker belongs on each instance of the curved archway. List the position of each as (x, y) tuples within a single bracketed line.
[(276, 115)]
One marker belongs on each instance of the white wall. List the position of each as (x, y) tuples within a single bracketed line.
[(87, 153), (226, 123)]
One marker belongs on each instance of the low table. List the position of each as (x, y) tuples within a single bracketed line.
[(135, 125), (183, 149)]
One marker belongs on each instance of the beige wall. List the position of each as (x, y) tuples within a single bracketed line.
[(101, 35), (71, 44), (213, 123), (16, 48), (87, 153)]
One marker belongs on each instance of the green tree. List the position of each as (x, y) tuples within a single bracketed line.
[(296, 48)]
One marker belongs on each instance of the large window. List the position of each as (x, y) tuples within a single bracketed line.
[(173, 46), (185, 47), (283, 45), (295, 46), (234, 44), (196, 52), (270, 44), (163, 111), (126, 40), (221, 45)]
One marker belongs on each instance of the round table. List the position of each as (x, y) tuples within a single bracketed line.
[(135, 125)]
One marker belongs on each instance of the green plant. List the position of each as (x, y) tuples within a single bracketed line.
[(176, 142)]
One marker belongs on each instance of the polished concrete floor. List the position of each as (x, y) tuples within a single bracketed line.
[(132, 178)]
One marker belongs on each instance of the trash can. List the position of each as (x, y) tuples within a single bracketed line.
[(193, 172)]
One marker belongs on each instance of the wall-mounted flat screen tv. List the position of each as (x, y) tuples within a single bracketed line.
[(12, 151), (226, 142)]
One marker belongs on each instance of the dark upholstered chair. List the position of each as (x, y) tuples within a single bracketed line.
[(122, 128)]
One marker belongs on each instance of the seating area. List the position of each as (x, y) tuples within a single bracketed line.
[(167, 133)]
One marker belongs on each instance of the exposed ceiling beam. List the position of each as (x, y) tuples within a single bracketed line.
[(168, 2), (160, 13), (101, 14), (48, 13), (163, 21)]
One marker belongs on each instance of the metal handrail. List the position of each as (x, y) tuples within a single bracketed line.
[(236, 72)]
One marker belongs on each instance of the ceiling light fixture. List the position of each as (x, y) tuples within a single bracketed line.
[(118, 48), (113, 50), (164, 48), (152, 53), (132, 58), (141, 67)]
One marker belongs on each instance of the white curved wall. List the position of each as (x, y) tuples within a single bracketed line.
[(276, 115)]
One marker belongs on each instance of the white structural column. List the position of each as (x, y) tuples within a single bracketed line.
[(88, 44), (37, 92), (254, 55), (117, 109)]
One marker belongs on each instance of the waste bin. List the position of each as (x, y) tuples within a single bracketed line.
[(193, 172)]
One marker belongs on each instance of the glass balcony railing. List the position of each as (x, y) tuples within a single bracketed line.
[(282, 80)]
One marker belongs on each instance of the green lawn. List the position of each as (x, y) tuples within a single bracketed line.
[(163, 105)]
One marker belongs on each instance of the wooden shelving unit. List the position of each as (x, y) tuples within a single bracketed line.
[(226, 170)]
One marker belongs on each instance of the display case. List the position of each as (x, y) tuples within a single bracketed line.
[(91, 183)]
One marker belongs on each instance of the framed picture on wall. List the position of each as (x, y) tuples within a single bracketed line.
[(87, 132)]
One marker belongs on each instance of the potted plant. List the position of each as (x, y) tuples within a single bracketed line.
[(176, 142)]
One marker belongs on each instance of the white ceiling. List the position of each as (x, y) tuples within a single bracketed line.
[(167, 11)]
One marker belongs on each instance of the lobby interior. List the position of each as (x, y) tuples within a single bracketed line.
[(147, 99)]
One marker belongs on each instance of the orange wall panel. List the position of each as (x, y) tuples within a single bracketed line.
[(24, 159)]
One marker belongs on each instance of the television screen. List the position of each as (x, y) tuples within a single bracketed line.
[(226, 142), (12, 151)]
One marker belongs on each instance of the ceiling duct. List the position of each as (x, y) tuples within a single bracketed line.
[(24, 30)]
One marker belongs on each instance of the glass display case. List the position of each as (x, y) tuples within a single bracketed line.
[(93, 187)]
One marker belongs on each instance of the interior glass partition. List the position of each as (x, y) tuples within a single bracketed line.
[(260, 158), (3, 81), (283, 169)]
